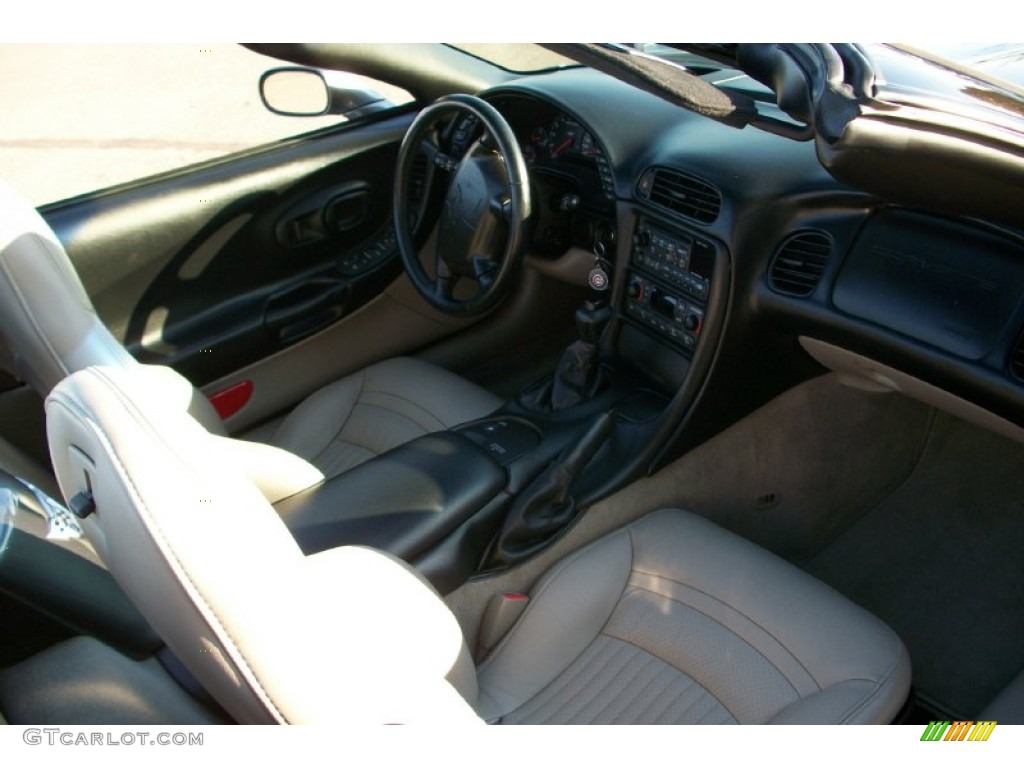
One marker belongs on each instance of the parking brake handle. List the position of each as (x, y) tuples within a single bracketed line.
[(545, 507)]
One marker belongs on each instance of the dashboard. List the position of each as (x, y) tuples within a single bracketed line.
[(736, 246)]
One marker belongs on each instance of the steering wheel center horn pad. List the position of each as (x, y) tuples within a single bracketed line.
[(483, 222)]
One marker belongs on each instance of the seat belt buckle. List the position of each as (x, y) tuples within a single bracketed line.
[(501, 613)]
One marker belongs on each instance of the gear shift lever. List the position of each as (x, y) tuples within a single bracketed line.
[(578, 374), (591, 319)]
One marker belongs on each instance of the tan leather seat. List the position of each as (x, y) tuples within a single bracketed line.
[(52, 329), (81, 681), (668, 620), (675, 620), (376, 409)]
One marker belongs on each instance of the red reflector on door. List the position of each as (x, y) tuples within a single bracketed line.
[(230, 401)]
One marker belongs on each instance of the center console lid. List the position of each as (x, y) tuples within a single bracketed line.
[(405, 501)]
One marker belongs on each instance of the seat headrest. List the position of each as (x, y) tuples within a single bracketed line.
[(46, 315)]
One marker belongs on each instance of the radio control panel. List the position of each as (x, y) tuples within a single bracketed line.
[(669, 282)]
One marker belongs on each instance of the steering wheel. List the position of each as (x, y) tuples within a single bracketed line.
[(481, 230)]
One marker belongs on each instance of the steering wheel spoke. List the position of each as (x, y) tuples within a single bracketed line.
[(501, 206), (484, 271), (483, 220), (445, 162), (444, 287), (440, 165)]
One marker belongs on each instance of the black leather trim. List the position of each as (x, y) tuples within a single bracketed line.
[(404, 501)]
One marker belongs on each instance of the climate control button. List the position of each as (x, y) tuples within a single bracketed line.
[(636, 289)]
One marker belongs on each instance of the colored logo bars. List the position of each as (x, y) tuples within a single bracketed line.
[(960, 730)]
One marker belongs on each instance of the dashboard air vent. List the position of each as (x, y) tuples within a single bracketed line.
[(681, 193), (1017, 358), (799, 263)]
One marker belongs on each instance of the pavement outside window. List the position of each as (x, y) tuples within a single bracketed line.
[(83, 117)]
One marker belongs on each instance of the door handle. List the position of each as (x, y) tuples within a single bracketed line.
[(305, 308), (324, 216)]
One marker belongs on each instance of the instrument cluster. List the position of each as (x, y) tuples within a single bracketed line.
[(563, 142)]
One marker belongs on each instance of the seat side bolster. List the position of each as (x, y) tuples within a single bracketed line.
[(1008, 706), (851, 701), (569, 608)]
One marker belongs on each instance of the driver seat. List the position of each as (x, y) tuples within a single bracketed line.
[(53, 330)]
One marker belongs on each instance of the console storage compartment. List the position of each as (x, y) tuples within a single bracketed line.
[(405, 501)]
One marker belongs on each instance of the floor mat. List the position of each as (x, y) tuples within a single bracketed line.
[(941, 560)]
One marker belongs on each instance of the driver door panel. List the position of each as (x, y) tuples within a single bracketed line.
[(218, 269)]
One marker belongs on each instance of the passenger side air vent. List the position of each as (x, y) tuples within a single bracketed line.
[(799, 263), (681, 193), (1016, 363)]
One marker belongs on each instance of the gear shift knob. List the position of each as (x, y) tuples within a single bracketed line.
[(591, 319)]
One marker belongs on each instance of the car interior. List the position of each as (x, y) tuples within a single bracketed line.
[(626, 389)]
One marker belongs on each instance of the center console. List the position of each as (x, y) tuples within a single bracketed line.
[(488, 494), (443, 502)]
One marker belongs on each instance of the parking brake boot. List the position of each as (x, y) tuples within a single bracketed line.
[(546, 506)]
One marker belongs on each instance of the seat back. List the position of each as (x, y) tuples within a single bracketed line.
[(346, 635), (46, 316), (45, 313)]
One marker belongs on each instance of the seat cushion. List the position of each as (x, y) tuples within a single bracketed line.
[(675, 620), (84, 682), (377, 409)]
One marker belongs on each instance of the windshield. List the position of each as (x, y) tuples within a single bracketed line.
[(516, 57), (1002, 60)]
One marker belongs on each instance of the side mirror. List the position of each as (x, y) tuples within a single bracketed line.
[(302, 92)]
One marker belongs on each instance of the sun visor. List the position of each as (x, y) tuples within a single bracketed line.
[(663, 79)]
